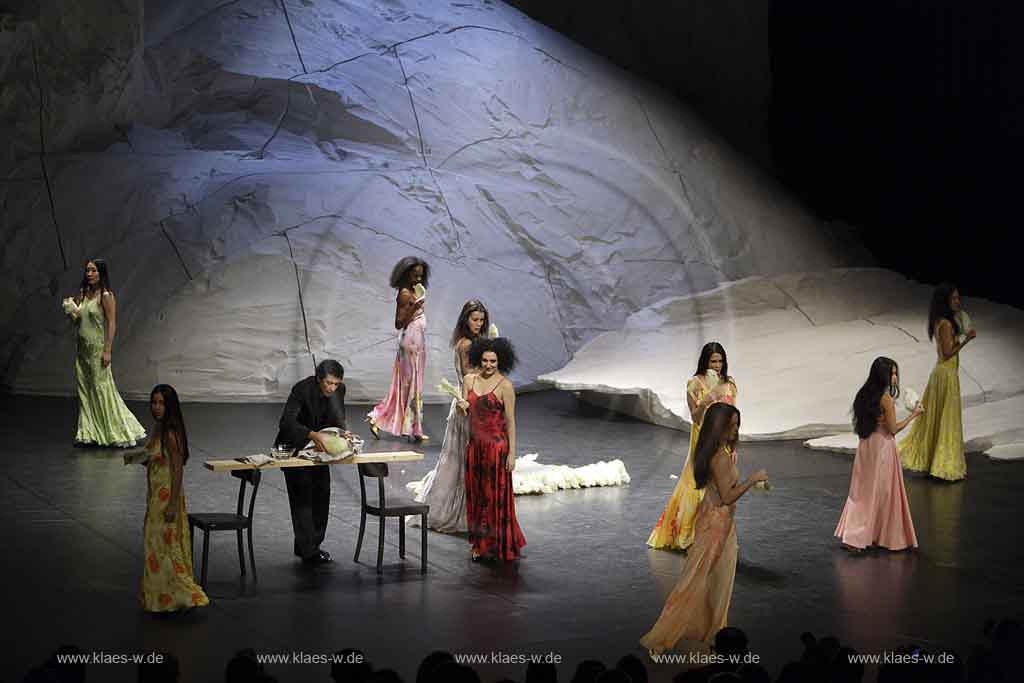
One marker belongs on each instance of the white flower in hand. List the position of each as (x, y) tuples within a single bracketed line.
[(910, 399), (449, 389)]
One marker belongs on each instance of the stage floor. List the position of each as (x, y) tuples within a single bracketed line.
[(588, 586)]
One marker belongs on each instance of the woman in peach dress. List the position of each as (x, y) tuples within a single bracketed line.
[(876, 511), (710, 384), (698, 606)]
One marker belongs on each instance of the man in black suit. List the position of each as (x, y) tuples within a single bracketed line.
[(314, 403)]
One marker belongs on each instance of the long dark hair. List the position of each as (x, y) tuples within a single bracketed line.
[(400, 273), (462, 326), (940, 309), (712, 432), (705, 358), (867, 405), (502, 348), (101, 268), (172, 421)]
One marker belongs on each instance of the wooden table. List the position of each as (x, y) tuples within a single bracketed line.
[(383, 456)]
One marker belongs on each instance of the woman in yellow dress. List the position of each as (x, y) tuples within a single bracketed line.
[(167, 583), (935, 443), (674, 529), (698, 606)]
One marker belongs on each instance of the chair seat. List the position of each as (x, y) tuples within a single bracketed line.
[(399, 507), (218, 520)]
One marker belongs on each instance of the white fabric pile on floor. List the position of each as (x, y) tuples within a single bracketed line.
[(531, 476)]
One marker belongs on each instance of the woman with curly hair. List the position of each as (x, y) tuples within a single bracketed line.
[(167, 583), (877, 511), (490, 401), (401, 411), (936, 444)]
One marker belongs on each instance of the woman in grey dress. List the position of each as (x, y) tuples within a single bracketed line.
[(444, 487)]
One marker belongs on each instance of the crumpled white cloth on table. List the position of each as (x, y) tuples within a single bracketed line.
[(257, 459)]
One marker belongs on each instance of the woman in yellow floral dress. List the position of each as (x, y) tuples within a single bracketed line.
[(935, 443), (167, 583), (674, 529)]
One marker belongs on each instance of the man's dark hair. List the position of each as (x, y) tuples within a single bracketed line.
[(330, 367)]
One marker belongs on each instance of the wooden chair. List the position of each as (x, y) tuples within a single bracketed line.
[(400, 508), (225, 521)]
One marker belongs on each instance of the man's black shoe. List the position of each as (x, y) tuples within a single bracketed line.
[(319, 557)]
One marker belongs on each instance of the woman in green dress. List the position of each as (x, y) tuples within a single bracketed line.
[(103, 418)]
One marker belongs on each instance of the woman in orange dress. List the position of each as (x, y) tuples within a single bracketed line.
[(698, 606), (167, 583)]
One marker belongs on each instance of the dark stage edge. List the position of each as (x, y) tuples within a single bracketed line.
[(588, 586)]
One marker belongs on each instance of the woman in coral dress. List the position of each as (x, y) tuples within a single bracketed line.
[(490, 401), (401, 411), (936, 444), (877, 512), (711, 384), (103, 418), (444, 487), (698, 606), (167, 583)]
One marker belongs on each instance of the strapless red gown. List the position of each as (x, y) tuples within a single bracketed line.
[(490, 503)]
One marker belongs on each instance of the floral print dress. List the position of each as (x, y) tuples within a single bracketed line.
[(167, 583)]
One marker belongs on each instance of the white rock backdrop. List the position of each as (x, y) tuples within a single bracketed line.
[(226, 157), (800, 346)]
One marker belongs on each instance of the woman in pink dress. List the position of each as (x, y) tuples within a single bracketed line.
[(876, 511), (698, 606), (401, 411)]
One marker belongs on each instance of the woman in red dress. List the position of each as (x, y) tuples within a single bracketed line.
[(490, 400)]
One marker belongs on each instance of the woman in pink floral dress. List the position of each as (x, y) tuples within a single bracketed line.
[(401, 411)]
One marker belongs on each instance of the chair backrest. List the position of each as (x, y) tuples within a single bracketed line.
[(377, 470), (253, 477)]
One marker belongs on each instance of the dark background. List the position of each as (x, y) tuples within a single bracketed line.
[(903, 119)]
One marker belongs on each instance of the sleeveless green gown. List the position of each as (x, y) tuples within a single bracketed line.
[(103, 418)]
